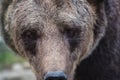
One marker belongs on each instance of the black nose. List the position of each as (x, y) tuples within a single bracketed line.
[(55, 75)]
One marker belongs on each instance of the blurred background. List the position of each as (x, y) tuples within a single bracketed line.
[(12, 66)]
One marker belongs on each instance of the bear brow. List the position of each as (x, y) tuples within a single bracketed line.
[(67, 20)]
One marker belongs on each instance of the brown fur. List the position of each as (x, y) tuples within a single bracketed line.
[(54, 34)]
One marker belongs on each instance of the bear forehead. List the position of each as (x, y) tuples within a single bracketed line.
[(52, 11)]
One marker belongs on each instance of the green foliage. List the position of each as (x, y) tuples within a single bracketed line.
[(7, 57)]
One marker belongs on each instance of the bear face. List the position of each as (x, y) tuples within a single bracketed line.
[(53, 35)]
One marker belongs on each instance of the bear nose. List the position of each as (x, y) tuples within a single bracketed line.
[(55, 75)]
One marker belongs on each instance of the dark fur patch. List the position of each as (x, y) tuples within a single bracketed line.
[(59, 3), (73, 37), (95, 2), (30, 39)]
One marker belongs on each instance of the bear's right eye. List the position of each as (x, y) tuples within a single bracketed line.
[(30, 35), (29, 38)]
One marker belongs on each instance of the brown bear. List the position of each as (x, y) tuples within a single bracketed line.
[(65, 39)]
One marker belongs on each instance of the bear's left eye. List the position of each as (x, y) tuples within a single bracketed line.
[(72, 33), (73, 37)]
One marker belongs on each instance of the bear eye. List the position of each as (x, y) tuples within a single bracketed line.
[(73, 37), (30, 35), (29, 38), (72, 33)]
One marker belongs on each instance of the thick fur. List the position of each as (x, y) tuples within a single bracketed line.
[(104, 63), (93, 56)]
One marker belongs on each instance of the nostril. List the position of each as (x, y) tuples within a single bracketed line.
[(55, 75)]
